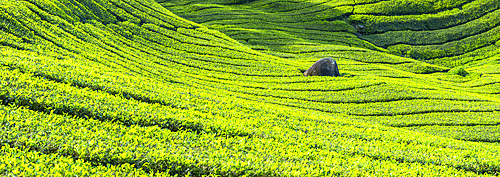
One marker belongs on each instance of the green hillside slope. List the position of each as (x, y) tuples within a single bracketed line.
[(200, 88)]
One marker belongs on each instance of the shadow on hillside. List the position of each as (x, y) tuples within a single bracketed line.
[(288, 29), (270, 24)]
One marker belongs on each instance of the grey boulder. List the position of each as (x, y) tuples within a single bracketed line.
[(324, 67)]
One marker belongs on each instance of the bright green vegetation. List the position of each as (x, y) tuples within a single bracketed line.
[(463, 30), (215, 88)]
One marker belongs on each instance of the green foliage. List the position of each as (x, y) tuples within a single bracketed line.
[(448, 33), (440, 36), (128, 88), (418, 22), (479, 133), (23, 162), (447, 49), (239, 1), (458, 71), (407, 7)]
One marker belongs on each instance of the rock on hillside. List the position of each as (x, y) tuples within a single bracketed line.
[(324, 67)]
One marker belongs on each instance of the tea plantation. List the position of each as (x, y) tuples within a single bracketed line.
[(215, 88)]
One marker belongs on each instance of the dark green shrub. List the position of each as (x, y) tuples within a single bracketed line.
[(239, 1), (458, 71)]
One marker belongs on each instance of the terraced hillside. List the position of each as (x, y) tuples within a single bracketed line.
[(215, 88)]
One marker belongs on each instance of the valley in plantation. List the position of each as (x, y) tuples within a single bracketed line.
[(216, 88)]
